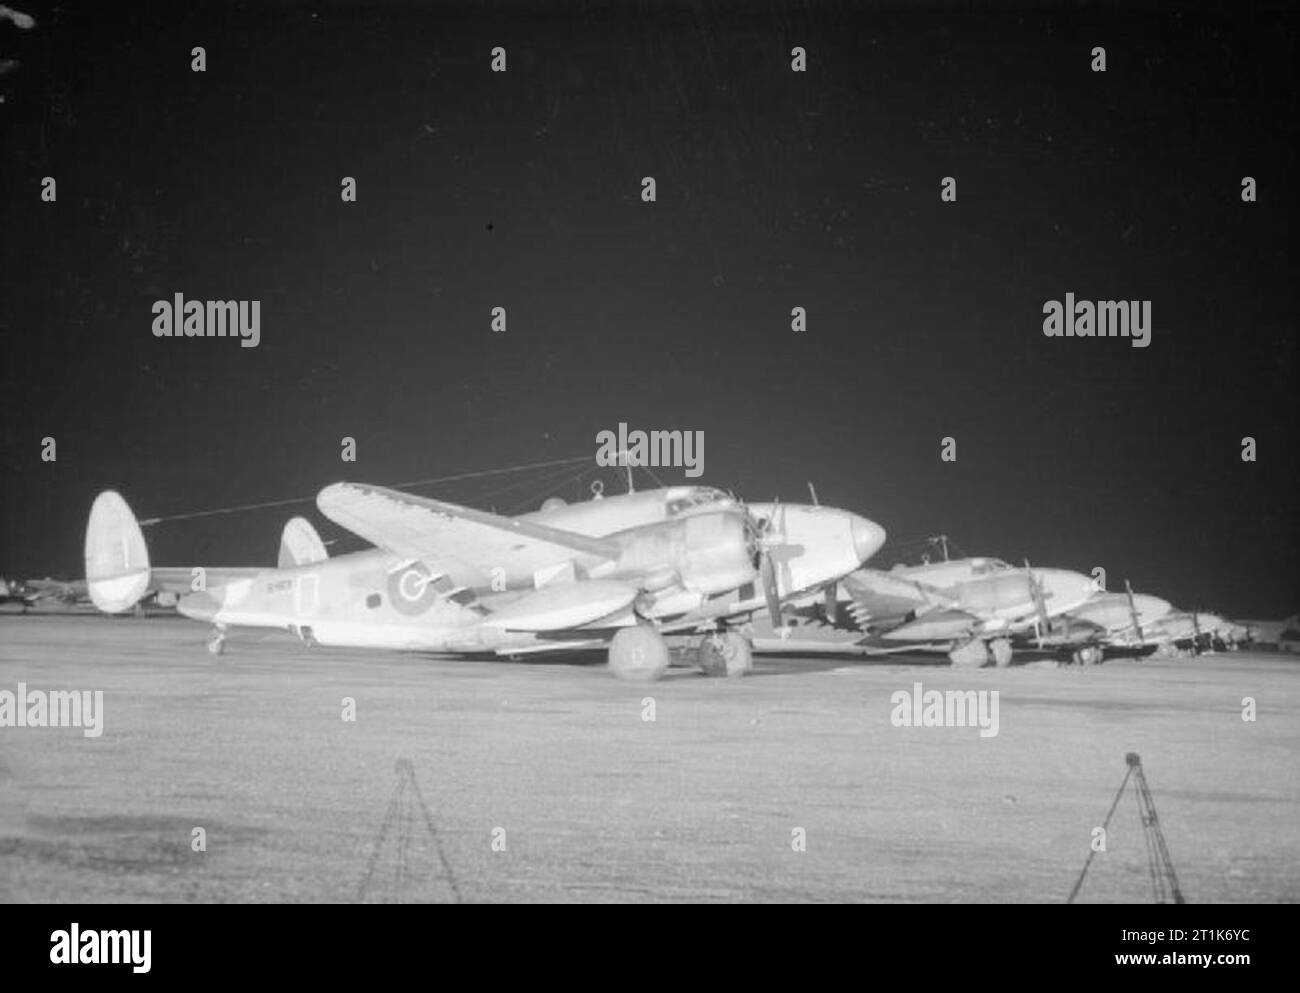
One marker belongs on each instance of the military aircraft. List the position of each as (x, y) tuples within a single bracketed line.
[(1125, 622), (1283, 634), (969, 608), (30, 592), (619, 571)]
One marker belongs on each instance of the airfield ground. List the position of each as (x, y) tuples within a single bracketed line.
[(596, 803)]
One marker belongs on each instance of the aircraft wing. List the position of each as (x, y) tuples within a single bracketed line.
[(879, 598), (450, 538)]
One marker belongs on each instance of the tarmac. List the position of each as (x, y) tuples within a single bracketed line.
[(545, 781)]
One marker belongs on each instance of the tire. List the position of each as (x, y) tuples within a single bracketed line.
[(726, 654), (971, 655), (638, 654), (1000, 649)]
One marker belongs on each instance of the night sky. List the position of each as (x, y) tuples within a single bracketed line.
[(775, 189)]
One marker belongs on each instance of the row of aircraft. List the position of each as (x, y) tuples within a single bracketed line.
[(985, 611), (639, 574)]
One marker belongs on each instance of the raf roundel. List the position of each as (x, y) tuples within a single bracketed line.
[(410, 590)]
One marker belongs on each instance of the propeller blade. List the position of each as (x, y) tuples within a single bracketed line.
[(1132, 610), (1041, 619), (767, 572), (831, 604)]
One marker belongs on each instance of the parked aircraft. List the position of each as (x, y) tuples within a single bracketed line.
[(969, 608), (1283, 634), (31, 592), (1126, 622), (622, 572)]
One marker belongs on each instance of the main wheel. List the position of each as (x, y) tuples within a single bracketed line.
[(725, 654), (971, 655), (638, 654), (216, 645), (1001, 650)]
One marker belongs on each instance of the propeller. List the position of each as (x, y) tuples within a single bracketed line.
[(942, 541), (1041, 620), (1133, 611), (761, 540)]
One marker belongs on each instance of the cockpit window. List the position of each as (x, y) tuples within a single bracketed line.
[(690, 498), (990, 565)]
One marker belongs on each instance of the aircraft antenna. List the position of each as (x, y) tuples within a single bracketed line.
[(1164, 881), (146, 522)]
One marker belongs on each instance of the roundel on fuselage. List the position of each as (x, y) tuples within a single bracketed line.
[(409, 589)]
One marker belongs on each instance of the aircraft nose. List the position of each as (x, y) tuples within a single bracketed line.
[(867, 535)]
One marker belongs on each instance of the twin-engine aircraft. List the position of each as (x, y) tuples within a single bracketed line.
[(1122, 623), (972, 609), (619, 571)]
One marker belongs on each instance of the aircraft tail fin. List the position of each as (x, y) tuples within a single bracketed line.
[(117, 561), (300, 544)]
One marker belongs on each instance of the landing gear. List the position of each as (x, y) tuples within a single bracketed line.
[(725, 653), (1087, 655), (971, 655), (217, 643), (639, 654), (1000, 648)]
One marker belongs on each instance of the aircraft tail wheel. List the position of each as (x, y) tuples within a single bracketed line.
[(971, 655), (1001, 651), (216, 645), (726, 654), (638, 654)]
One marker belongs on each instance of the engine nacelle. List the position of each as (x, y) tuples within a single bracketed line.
[(717, 554), (705, 553)]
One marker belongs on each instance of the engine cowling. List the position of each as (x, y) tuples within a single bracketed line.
[(704, 553), (718, 554)]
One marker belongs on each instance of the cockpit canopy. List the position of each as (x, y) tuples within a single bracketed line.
[(689, 499)]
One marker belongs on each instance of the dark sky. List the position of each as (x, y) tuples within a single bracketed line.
[(775, 190)]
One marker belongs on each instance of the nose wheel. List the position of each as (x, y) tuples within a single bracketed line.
[(217, 643)]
